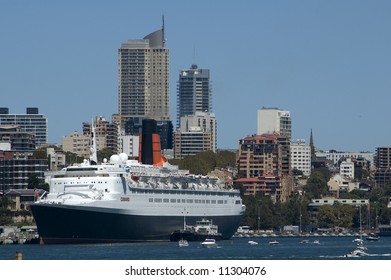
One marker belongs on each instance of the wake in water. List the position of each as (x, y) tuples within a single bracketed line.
[(369, 256)]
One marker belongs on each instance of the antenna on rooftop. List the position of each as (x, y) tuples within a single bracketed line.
[(163, 35)]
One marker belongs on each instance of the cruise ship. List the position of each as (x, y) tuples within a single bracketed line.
[(122, 200)]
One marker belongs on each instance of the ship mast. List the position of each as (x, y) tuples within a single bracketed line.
[(94, 155)]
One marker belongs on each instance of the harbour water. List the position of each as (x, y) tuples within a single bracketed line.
[(288, 248)]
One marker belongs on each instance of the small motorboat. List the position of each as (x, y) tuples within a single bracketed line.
[(209, 243), (183, 243), (274, 242), (252, 243), (372, 237), (316, 242)]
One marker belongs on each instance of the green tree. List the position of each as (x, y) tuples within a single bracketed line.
[(326, 217), (344, 214), (295, 211), (262, 212), (225, 158), (72, 158), (104, 153), (241, 188), (45, 187), (205, 162), (323, 172), (5, 213), (297, 172), (355, 194), (40, 154), (316, 185)]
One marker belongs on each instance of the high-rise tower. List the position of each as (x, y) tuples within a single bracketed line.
[(143, 79), (194, 92)]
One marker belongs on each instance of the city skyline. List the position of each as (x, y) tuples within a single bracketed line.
[(326, 63)]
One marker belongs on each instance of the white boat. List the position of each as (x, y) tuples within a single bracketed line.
[(304, 241), (274, 242), (183, 243), (206, 226), (316, 242), (209, 243), (122, 200), (360, 249), (358, 252), (252, 243), (372, 237)]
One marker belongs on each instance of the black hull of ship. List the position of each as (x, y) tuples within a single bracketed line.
[(61, 224)]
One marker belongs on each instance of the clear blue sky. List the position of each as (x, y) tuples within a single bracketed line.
[(327, 62)]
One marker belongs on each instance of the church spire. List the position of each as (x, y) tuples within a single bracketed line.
[(312, 146), (311, 139)]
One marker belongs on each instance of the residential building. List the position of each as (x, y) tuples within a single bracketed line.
[(346, 169), (264, 165), (383, 166), (197, 133), (192, 142), (301, 157), (129, 144), (79, 144), (274, 120), (105, 131), (205, 121), (335, 156), (21, 198), (32, 122), (56, 159), (340, 184), (194, 92), (17, 167), (143, 84), (18, 140)]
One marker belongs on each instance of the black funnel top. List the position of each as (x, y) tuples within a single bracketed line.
[(149, 128)]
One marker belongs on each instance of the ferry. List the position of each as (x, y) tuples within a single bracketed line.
[(202, 230), (122, 200)]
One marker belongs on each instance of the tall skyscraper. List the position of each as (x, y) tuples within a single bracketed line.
[(194, 92), (143, 85), (273, 120)]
